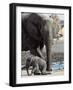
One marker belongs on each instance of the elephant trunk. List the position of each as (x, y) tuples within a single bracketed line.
[(48, 43)]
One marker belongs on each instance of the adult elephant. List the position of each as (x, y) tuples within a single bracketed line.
[(35, 34)]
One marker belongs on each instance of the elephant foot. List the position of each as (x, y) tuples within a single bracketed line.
[(48, 69), (37, 73), (46, 73)]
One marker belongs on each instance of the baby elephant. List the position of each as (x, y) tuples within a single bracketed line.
[(38, 65)]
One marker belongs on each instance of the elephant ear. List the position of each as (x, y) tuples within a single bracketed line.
[(32, 31)]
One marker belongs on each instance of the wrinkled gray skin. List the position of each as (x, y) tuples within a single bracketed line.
[(37, 32), (38, 65)]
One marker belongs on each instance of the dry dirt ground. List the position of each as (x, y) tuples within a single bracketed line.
[(52, 73)]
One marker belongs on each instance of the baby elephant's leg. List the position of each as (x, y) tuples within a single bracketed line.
[(44, 66), (37, 71)]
